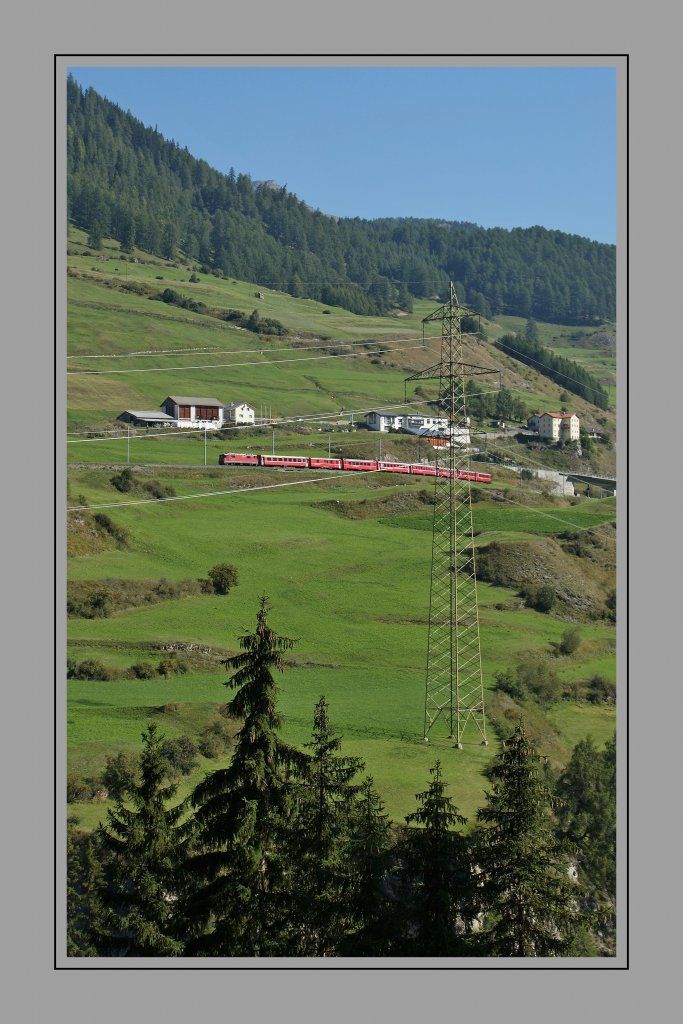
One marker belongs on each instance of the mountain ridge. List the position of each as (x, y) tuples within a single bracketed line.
[(126, 181)]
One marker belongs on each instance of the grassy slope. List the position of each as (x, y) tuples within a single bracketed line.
[(105, 320), (356, 593), (601, 363)]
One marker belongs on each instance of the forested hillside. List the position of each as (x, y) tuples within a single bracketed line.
[(126, 181)]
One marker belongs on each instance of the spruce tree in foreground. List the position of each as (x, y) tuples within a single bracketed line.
[(320, 879), (143, 846), (525, 890), (434, 886), (587, 816), (238, 811), (85, 883), (371, 856)]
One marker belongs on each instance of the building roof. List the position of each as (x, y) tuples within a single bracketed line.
[(384, 412), (238, 405), (148, 414), (188, 400), (560, 415)]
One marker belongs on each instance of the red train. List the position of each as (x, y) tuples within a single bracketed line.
[(360, 465)]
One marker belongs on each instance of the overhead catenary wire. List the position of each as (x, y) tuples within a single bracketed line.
[(210, 494), (291, 483)]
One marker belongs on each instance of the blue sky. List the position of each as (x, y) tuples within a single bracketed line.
[(500, 146)]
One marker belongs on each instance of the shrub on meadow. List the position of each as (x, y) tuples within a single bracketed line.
[(141, 670), (180, 754), (119, 775), (223, 577), (601, 690)]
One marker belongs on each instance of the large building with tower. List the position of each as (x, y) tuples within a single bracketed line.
[(558, 426)]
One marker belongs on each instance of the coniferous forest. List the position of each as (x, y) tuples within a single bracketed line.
[(288, 853), (127, 182)]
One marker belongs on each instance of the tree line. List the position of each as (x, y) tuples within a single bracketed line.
[(125, 181), (565, 372), (289, 853)]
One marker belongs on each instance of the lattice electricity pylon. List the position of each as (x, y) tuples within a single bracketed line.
[(454, 689)]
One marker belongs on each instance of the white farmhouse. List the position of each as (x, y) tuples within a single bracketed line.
[(416, 424), (194, 412), (239, 413), (558, 426), (423, 426)]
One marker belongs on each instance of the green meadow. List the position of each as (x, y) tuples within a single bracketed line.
[(513, 519), (129, 351), (352, 591)]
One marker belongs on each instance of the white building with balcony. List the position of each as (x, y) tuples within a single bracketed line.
[(416, 423), (380, 420)]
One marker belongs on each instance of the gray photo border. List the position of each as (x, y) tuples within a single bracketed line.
[(79, 28)]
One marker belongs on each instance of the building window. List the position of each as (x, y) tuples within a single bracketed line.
[(183, 412)]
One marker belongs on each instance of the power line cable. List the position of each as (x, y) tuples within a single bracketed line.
[(148, 354), (548, 515), (341, 355), (243, 351), (185, 431), (559, 373), (214, 366)]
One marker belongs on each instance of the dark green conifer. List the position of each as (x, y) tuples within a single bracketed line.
[(528, 898), (143, 845), (587, 816), (85, 883), (235, 865), (434, 907), (371, 857), (320, 876)]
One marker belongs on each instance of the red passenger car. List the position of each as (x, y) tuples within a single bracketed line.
[(284, 461), (325, 463), (393, 467), (364, 465)]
